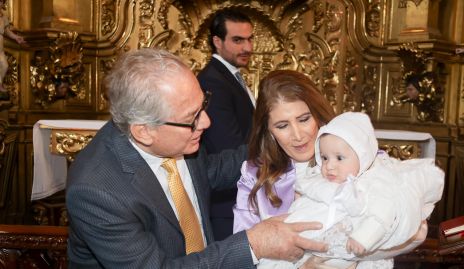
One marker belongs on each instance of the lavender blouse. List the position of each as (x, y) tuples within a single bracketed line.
[(245, 216)]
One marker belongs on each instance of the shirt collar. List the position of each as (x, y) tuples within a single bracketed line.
[(150, 159)]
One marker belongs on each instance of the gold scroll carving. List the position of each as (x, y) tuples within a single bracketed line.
[(69, 142), (402, 150), (10, 98)]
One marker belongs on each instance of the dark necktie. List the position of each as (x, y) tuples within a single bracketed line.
[(241, 81)]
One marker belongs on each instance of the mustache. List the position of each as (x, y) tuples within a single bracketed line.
[(248, 54)]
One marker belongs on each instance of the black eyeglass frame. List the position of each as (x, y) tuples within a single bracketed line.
[(196, 119)]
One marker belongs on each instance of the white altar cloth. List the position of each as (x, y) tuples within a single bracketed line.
[(50, 169)]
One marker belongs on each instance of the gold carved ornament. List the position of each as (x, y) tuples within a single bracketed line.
[(9, 82), (282, 38), (404, 3), (69, 143), (58, 73), (399, 150)]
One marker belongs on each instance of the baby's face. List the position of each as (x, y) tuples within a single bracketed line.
[(339, 160)]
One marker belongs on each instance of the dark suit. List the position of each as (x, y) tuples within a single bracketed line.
[(120, 216), (231, 112)]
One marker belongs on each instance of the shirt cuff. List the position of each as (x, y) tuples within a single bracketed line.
[(253, 256)]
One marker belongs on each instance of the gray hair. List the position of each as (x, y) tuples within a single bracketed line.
[(135, 87)]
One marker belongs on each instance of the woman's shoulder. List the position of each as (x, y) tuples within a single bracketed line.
[(249, 171)]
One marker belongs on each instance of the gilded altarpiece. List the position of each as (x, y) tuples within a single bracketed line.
[(358, 52)]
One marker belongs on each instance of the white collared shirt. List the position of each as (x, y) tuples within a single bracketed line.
[(162, 176), (234, 70)]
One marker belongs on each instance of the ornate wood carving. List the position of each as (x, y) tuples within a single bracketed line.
[(305, 36), (401, 150), (58, 73), (404, 3), (350, 101), (421, 75), (147, 27), (108, 16), (69, 143), (30, 241), (33, 247), (10, 98), (373, 18), (369, 89)]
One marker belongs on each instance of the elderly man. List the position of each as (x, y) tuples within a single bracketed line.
[(138, 194)]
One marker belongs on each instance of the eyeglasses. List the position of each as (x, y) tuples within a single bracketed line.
[(196, 119)]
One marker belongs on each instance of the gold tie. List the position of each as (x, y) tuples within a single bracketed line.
[(187, 218)]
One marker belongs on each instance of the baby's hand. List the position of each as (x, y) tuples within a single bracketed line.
[(297, 195), (352, 246)]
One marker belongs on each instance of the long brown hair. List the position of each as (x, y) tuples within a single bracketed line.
[(264, 151)]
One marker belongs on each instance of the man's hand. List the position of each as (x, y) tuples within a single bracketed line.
[(274, 239)]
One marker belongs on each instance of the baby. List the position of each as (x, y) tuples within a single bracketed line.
[(371, 205)]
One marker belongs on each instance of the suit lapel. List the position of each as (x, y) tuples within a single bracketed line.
[(200, 189), (143, 178), (233, 81)]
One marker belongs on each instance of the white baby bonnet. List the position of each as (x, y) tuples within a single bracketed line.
[(357, 130)]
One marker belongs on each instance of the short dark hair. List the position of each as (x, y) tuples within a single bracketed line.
[(218, 25)]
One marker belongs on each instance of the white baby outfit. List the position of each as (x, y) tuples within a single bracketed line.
[(381, 208)]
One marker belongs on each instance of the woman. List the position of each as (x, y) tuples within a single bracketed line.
[(289, 112)]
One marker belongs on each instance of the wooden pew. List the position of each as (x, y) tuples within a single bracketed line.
[(33, 246)]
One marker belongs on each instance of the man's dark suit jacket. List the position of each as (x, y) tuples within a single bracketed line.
[(120, 217), (231, 112), (230, 108)]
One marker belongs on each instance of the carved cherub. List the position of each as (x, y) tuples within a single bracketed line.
[(5, 30), (425, 93), (421, 75)]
